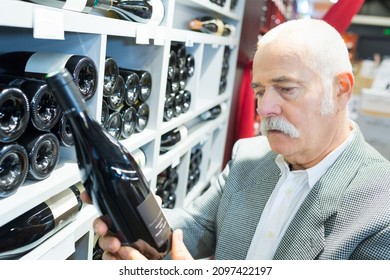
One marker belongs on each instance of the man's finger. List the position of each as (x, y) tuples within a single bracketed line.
[(179, 250)]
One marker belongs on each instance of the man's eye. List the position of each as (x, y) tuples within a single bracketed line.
[(286, 90), (259, 93)]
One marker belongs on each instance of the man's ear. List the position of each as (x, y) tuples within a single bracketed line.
[(345, 82)]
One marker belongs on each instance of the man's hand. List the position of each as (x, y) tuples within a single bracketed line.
[(113, 250)]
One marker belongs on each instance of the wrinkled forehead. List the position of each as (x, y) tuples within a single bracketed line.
[(278, 56)]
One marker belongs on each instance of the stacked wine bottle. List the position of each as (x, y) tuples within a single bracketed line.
[(194, 167), (225, 70), (30, 118), (33, 227), (148, 11), (167, 182), (219, 2), (125, 92), (211, 25), (222, 3), (180, 68), (172, 138)]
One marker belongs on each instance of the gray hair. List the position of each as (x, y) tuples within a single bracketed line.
[(323, 47)]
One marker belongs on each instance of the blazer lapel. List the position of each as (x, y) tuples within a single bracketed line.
[(305, 237), (245, 208)]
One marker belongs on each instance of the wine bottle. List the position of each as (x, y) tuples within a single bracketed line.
[(14, 112), (181, 53), (111, 176), (114, 125), (131, 85), (63, 132), (171, 138), (186, 101), (190, 64), (183, 76), (38, 64), (33, 227), (142, 116), (143, 11), (167, 182), (172, 63), (44, 109), (43, 149), (207, 25), (168, 108), (117, 99), (105, 113), (14, 168), (145, 84), (84, 6), (129, 118), (111, 73), (178, 104), (213, 112), (140, 157)]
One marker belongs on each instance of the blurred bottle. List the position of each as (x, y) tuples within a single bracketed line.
[(44, 109), (117, 98), (38, 64), (114, 125), (111, 73), (132, 85), (63, 132), (207, 25), (43, 149), (171, 138), (13, 168), (14, 112), (143, 11), (129, 119), (33, 227)]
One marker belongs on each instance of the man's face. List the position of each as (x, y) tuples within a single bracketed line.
[(288, 90)]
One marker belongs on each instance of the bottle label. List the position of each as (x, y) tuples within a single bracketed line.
[(64, 207), (75, 5), (46, 62), (154, 219)]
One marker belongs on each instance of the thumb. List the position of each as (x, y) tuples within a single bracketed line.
[(179, 250)]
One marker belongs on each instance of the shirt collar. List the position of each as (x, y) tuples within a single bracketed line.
[(314, 173)]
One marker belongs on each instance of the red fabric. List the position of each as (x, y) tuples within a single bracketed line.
[(246, 106), (340, 14)]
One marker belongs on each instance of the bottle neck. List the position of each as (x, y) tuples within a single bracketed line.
[(71, 103)]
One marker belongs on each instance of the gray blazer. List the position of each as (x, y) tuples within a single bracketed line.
[(346, 215)]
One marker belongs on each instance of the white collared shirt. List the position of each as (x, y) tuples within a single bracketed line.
[(285, 200)]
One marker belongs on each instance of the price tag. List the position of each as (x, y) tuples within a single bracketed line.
[(159, 39), (189, 41), (48, 24), (142, 35)]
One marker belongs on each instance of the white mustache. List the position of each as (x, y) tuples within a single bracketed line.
[(280, 124)]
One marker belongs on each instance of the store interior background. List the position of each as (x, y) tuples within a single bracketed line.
[(365, 25)]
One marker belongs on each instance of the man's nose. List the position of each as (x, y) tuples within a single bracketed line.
[(268, 104)]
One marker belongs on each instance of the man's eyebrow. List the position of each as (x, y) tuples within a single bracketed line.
[(282, 79), (255, 85)]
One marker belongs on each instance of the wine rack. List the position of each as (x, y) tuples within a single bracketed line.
[(133, 46)]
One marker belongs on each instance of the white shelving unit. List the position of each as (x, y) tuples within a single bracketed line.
[(132, 45)]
